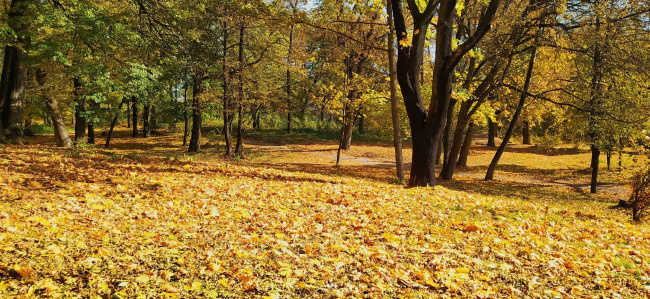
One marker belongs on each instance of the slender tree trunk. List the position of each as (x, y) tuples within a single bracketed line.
[(594, 110), (195, 140), (595, 163), (525, 132), (227, 116), (186, 118), (511, 128), (467, 144), (397, 131), (450, 166), (80, 123), (146, 118), (609, 159), (113, 123), (289, 116), (134, 122), (492, 130), (239, 148), (5, 112)]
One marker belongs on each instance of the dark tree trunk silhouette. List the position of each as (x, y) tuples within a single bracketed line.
[(227, 115), (195, 140), (186, 118), (146, 120), (427, 125), (525, 132)]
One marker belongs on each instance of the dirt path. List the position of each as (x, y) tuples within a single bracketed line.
[(365, 161)]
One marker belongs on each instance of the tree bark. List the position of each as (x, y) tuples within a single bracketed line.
[(595, 163), (60, 133), (239, 147), (467, 144), (525, 132), (14, 73), (227, 116), (195, 140), (511, 128), (397, 131), (128, 118), (80, 123), (113, 123), (446, 136), (146, 118), (427, 125), (492, 130), (91, 133)]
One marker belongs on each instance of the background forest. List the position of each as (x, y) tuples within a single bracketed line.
[(111, 90)]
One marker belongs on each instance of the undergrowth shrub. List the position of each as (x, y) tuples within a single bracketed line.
[(640, 198)]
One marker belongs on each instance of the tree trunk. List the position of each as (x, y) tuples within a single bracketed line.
[(595, 161), (609, 159), (467, 144), (397, 131), (450, 166), (227, 116), (91, 133), (146, 119), (60, 133), (80, 123), (113, 123), (186, 118), (195, 140), (525, 132), (289, 117), (134, 122), (14, 74), (446, 135), (511, 128), (239, 148), (492, 130)]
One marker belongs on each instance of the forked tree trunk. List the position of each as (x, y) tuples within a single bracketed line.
[(113, 123), (467, 145), (195, 140)]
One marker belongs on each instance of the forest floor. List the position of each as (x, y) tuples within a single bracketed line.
[(144, 219)]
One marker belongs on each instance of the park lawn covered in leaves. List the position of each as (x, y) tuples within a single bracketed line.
[(91, 224)]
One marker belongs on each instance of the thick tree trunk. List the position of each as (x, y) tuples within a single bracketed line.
[(113, 123), (348, 128), (446, 135), (91, 133), (134, 122), (60, 133), (397, 131), (195, 140), (511, 128), (467, 144), (525, 132), (289, 117), (146, 118), (595, 161), (80, 123)]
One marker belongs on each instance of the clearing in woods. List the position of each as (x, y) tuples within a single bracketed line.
[(149, 221)]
